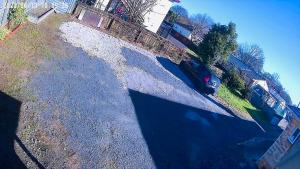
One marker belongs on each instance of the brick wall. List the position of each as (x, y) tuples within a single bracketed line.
[(280, 147)]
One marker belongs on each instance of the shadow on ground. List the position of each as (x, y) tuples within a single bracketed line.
[(9, 118), (149, 65), (180, 136), (175, 70), (263, 121)]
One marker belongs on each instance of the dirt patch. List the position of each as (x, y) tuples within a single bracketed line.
[(20, 57), (22, 54)]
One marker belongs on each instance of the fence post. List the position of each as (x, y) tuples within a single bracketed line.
[(100, 22), (110, 23), (82, 12), (137, 38)]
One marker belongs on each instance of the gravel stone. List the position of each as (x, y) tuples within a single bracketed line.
[(136, 68), (87, 99)]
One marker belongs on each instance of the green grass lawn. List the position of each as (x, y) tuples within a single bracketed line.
[(240, 104)]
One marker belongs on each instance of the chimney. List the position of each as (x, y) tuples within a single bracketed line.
[(299, 105)]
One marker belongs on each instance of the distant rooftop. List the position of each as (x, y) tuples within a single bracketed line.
[(244, 68), (262, 83), (277, 95)]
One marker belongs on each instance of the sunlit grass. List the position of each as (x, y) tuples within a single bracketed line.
[(240, 104)]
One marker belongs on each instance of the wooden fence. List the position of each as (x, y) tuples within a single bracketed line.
[(130, 32)]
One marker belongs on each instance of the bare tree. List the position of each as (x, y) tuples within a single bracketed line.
[(137, 9), (178, 14), (274, 82), (251, 55), (201, 26)]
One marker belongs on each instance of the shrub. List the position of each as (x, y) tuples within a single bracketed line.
[(232, 79), (3, 33), (17, 15), (244, 92)]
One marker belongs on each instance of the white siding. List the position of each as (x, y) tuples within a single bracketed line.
[(154, 18), (63, 6)]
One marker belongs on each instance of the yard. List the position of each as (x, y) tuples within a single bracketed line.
[(244, 108), (242, 105), (21, 55), (72, 101)]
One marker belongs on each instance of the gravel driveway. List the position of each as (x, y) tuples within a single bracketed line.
[(113, 105)]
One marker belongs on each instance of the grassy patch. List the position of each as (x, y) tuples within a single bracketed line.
[(3, 33), (13, 87), (240, 104), (18, 62), (45, 52), (22, 54)]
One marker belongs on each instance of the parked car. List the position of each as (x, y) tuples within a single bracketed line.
[(204, 79)]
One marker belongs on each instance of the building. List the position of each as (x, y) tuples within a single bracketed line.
[(285, 152), (36, 7), (152, 19), (245, 71), (155, 17), (183, 29), (261, 96)]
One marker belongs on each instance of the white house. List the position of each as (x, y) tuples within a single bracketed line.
[(152, 19), (184, 30)]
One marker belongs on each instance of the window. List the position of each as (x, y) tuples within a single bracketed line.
[(294, 136), (259, 91)]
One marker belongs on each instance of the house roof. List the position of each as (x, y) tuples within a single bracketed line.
[(277, 96), (262, 83), (295, 109), (188, 27), (243, 67)]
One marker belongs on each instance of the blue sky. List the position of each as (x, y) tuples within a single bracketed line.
[(272, 24)]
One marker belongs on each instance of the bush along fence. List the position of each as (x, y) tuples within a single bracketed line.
[(119, 28), (16, 18)]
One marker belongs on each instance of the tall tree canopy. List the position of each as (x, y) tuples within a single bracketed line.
[(178, 14), (201, 25), (218, 43), (251, 55), (180, 11)]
